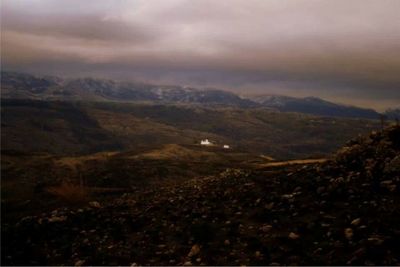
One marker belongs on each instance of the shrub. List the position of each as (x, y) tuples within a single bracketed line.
[(69, 192)]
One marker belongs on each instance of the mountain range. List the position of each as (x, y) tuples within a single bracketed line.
[(315, 106), (25, 86)]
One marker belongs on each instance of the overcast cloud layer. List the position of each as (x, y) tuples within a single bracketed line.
[(346, 51)]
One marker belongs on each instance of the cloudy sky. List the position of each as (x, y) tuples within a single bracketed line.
[(342, 50)]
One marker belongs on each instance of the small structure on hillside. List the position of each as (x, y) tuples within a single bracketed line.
[(226, 146), (205, 142)]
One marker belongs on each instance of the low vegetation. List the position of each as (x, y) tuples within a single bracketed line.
[(83, 128), (70, 193)]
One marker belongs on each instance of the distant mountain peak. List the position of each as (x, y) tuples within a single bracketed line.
[(26, 86), (313, 105)]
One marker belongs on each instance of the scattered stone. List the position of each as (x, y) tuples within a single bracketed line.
[(294, 236), (320, 190), (94, 204), (57, 218), (194, 251), (297, 189), (266, 228), (376, 240), (269, 206), (348, 233), (203, 212), (79, 263), (393, 166), (386, 182), (287, 196), (356, 222)]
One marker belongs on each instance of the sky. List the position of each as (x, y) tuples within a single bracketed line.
[(347, 51)]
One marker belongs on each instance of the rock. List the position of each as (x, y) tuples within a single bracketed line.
[(348, 233), (269, 206), (376, 240), (266, 228), (79, 263), (393, 166), (386, 182), (194, 250), (297, 189), (294, 236), (259, 236), (320, 190), (392, 188), (94, 204), (328, 234), (287, 196), (57, 218), (356, 255), (356, 222)]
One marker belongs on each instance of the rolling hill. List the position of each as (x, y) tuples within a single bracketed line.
[(315, 106), (87, 127)]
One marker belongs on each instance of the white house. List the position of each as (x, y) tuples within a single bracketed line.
[(205, 142)]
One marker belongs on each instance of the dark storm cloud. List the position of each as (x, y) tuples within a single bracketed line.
[(334, 49)]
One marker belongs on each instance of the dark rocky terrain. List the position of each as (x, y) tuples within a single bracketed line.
[(342, 212), (99, 172)]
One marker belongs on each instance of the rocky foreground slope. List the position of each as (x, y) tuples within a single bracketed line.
[(342, 212)]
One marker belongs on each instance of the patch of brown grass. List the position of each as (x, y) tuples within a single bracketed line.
[(69, 192)]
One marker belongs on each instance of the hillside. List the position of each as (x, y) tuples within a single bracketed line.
[(76, 128), (343, 211), (29, 179), (313, 105)]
